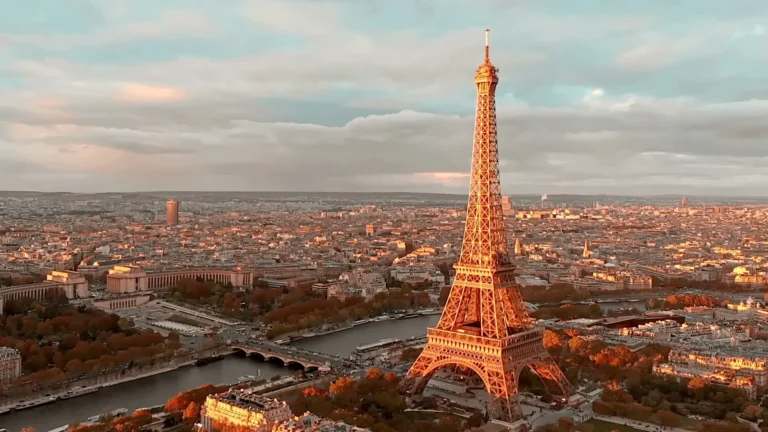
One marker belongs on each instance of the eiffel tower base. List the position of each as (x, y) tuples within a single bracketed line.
[(499, 369)]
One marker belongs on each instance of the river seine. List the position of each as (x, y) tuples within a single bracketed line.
[(158, 389)]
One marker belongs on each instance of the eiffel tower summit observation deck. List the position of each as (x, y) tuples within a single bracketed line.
[(485, 327)]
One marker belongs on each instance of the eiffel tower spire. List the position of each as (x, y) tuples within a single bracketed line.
[(484, 326)]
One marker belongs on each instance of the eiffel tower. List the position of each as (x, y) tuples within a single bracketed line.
[(485, 326)]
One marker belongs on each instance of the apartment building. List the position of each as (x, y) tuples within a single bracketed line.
[(243, 409), (10, 364)]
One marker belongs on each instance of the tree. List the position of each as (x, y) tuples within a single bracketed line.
[(313, 391), (475, 420), (697, 384), (565, 423), (392, 378), (342, 386), (603, 408), (444, 292), (752, 412), (668, 418), (552, 340), (192, 412), (197, 395), (374, 374)]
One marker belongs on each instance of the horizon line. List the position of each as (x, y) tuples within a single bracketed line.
[(524, 194)]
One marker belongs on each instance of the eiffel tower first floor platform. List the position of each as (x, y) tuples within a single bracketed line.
[(498, 362)]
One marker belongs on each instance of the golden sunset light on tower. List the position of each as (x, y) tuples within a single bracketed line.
[(485, 326)]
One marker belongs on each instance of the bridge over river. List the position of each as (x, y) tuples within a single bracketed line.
[(309, 360)]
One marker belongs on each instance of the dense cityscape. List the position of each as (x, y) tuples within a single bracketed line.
[(655, 313), (485, 311)]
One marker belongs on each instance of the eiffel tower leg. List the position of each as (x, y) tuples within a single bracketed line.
[(418, 375), (547, 370), (502, 393)]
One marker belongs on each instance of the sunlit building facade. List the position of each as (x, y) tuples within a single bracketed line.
[(172, 212), (743, 371), (242, 409)]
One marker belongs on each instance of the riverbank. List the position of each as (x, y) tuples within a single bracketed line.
[(148, 390), (590, 301), (89, 385), (70, 393), (157, 389), (388, 317)]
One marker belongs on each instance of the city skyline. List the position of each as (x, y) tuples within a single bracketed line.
[(607, 99)]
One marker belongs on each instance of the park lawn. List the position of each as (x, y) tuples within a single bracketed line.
[(603, 426)]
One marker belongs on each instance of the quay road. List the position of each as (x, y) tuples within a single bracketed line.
[(292, 354), (654, 294)]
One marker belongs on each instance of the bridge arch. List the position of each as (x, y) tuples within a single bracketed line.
[(238, 350), (257, 355), (295, 363), (283, 360), (273, 358)]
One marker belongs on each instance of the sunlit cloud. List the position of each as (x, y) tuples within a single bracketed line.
[(150, 93), (443, 177), (29, 133), (365, 97)]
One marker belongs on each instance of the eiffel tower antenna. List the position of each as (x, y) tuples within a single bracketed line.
[(485, 326)]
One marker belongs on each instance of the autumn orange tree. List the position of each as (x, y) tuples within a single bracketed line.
[(551, 340), (57, 339), (374, 374), (192, 412), (344, 389), (371, 402), (198, 395), (132, 423), (313, 391), (680, 301)]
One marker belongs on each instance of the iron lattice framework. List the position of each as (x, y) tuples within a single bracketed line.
[(485, 326)]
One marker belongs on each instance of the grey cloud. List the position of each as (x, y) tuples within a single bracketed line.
[(608, 146), (232, 134)]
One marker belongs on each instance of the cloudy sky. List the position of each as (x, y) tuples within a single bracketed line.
[(595, 96)]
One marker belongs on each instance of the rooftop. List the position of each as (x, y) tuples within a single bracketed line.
[(248, 400)]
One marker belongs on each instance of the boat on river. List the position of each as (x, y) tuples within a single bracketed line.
[(377, 345), (79, 391), (35, 402), (245, 379)]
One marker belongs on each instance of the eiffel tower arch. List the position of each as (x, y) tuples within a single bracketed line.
[(485, 326)]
